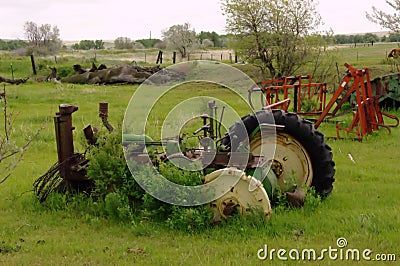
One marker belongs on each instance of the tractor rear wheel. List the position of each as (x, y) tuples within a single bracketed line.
[(301, 157)]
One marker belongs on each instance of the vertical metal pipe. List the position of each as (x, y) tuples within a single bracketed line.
[(64, 136)]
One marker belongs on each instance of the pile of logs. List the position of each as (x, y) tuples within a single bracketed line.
[(125, 74)]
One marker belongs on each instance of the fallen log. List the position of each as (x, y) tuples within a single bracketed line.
[(13, 81)]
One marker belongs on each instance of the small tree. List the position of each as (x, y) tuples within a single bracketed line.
[(180, 38), (272, 34), (386, 20), (206, 43), (212, 36), (123, 43), (42, 39), (98, 44), (10, 154)]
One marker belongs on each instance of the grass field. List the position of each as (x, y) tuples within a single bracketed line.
[(363, 207)]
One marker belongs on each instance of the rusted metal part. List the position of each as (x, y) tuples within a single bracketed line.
[(69, 170), (304, 90), (89, 135), (103, 114), (368, 116), (213, 159), (230, 207), (296, 199), (64, 128)]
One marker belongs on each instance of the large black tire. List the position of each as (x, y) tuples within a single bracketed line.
[(300, 129)]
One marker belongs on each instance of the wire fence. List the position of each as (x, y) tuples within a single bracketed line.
[(169, 57)]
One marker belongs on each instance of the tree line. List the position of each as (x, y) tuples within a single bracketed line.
[(278, 36), (204, 38)]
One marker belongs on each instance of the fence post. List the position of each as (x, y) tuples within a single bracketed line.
[(236, 58), (159, 57), (145, 57), (211, 57), (230, 57), (221, 56), (12, 71), (173, 57), (33, 64)]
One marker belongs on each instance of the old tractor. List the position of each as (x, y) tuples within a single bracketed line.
[(301, 158), (244, 165)]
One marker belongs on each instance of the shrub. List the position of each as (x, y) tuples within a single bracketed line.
[(108, 168), (65, 71), (123, 198), (117, 207)]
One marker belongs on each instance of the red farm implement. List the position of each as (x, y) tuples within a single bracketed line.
[(367, 114), (310, 99)]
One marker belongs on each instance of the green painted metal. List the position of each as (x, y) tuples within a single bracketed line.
[(137, 138), (388, 87), (270, 181)]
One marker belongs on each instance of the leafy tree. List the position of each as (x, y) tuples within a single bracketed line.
[(387, 20), (341, 39), (212, 36), (273, 34), (42, 39), (180, 38), (148, 43), (12, 44), (207, 43), (75, 46), (370, 37), (88, 44), (98, 44), (394, 37), (123, 43)]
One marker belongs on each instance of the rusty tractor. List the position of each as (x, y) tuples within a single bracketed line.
[(301, 158)]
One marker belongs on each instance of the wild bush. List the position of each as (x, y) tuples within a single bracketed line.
[(124, 199)]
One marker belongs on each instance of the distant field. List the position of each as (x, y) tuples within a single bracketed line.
[(363, 207)]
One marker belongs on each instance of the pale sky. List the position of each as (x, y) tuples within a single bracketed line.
[(110, 19)]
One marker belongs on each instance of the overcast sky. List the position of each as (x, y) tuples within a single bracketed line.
[(110, 19)]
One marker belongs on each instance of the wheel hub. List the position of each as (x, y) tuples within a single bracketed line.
[(291, 163), (247, 195)]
